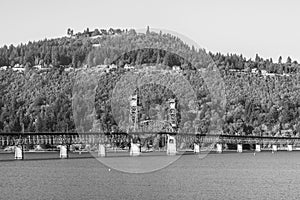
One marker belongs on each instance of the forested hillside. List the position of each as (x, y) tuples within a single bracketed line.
[(261, 96)]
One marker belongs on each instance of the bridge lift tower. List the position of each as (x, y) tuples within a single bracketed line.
[(172, 118), (172, 115), (133, 118), (134, 112)]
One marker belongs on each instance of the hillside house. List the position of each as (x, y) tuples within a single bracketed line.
[(18, 68), (128, 67), (113, 66), (3, 68), (176, 68), (68, 69)]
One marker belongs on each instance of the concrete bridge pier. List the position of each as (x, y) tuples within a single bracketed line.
[(171, 145), (289, 147), (257, 148), (18, 153), (134, 149), (196, 148), (63, 152), (239, 148), (219, 148), (101, 150)]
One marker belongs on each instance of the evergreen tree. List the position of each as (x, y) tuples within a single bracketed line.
[(289, 60), (280, 60)]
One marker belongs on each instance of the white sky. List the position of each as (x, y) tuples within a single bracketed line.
[(267, 27)]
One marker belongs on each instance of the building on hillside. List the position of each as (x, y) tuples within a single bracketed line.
[(68, 69), (285, 74), (41, 68), (37, 67), (96, 45), (270, 74), (113, 66), (128, 67), (18, 68), (254, 71), (101, 66), (176, 68), (3, 68)]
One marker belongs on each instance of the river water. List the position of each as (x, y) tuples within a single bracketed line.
[(217, 176)]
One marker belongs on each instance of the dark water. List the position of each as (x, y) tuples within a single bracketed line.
[(218, 176)]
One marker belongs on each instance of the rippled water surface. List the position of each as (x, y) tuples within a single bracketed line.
[(218, 176)]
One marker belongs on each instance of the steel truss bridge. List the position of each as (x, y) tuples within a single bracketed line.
[(114, 139), (157, 141)]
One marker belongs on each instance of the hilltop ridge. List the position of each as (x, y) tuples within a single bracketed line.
[(73, 50)]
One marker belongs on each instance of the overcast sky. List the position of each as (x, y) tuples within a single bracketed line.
[(267, 27)]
